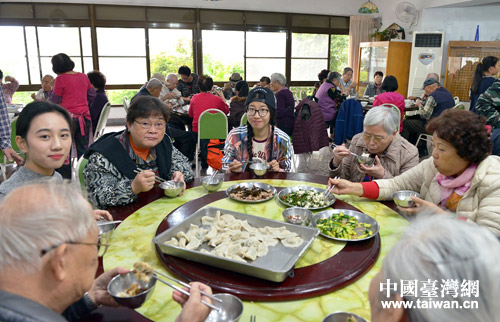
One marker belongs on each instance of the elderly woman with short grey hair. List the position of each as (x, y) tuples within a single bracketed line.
[(285, 104), (453, 256), (329, 99), (393, 154)]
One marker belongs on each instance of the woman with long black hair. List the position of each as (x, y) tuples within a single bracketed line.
[(260, 138), (483, 77)]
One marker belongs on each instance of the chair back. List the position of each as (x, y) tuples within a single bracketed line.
[(212, 124), (103, 119), (244, 119), (13, 143), (126, 103), (457, 100), (395, 108), (80, 166)]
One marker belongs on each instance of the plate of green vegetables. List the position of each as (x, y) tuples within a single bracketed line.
[(311, 198), (345, 225)]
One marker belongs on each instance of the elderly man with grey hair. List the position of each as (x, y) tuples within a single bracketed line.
[(439, 261), (49, 246), (380, 137), (152, 88), (285, 104), (171, 94)]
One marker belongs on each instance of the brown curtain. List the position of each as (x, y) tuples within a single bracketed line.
[(359, 31)]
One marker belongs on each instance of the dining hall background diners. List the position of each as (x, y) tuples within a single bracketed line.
[(461, 178), (110, 176), (201, 102), (380, 138), (9, 87), (260, 137), (73, 91)]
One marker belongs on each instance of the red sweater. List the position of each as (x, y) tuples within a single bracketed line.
[(392, 98), (202, 102)]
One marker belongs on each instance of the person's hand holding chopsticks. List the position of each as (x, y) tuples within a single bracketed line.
[(192, 308), (143, 181)]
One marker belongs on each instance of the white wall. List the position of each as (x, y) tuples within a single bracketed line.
[(460, 24)]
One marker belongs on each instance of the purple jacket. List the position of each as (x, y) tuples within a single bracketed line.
[(326, 104), (285, 108)]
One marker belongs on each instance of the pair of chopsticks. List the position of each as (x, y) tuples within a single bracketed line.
[(329, 190), (352, 153), (185, 292), (157, 179)]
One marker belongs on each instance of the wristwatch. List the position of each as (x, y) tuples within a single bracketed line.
[(88, 301)]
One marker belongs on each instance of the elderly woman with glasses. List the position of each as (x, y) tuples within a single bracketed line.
[(260, 138), (144, 147), (460, 179), (393, 154)]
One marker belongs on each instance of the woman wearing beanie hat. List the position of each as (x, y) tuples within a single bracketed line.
[(260, 138)]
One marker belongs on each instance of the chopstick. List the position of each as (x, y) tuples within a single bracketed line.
[(329, 190), (187, 285), (352, 153), (109, 222), (185, 292), (157, 179)]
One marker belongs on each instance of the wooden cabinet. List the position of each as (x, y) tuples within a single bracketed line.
[(463, 57), (389, 57)]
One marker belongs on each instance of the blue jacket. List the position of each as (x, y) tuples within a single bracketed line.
[(349, 121)]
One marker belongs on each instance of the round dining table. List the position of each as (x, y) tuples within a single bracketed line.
[(330, 276)]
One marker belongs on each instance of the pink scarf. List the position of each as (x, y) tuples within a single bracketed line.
[(459, 185)]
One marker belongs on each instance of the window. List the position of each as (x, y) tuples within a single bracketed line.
[(339, 52), (265, 54), (122, 55), (13, 57), (222, 53), (50, 44), (309, 56), (167, 56)]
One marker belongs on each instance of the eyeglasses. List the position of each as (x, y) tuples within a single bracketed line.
[(376, 138), (252, 111), (148, 125), (102, 246)]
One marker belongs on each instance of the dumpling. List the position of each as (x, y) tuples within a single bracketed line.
[(251, 253), (193, 244), (173, 242), (182, 242), (207, 220), (292, 242), (262, 249)]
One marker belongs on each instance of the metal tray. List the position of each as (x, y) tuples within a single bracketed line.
[(250, 185), (330, 197), (361, 217), (275, 266)]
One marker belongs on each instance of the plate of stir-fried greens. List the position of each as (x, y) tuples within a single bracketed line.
[(345, 225), (306, 197)]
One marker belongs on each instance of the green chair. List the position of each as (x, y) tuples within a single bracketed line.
[(244, 119), (126, 103), (103, 119), (13, 143), (79, 167), (212, 124)]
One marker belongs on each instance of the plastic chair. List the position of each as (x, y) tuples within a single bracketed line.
[(126, 103), (13, 143), (103, 119), (427, 138), (394, 107), (244, 119), (457, 100), (78, 172), (212, 124)]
